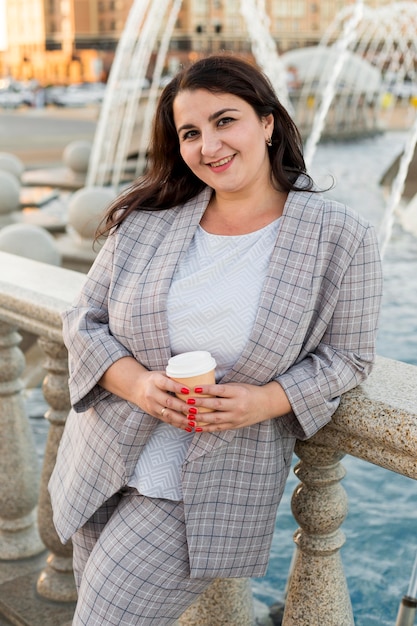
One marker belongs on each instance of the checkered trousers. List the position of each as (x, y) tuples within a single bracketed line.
[(132, 568)]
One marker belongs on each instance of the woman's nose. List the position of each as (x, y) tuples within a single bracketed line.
[(210, 143)]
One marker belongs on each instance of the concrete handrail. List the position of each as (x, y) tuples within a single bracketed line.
[(33, 294), (377, 421)]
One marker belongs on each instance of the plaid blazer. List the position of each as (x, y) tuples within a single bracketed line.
[(314, 333)]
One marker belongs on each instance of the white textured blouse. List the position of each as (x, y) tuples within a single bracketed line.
[(212, 304)]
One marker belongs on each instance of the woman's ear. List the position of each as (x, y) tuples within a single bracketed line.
[(268, 124)]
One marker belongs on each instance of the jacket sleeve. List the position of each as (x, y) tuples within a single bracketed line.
[(91, 346), (345, 353)]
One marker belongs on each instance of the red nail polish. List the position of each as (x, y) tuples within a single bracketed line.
[(192, 410), (198, 390), (198, 430), (191, 423), (189, 430), (184, 390), (190, 400)]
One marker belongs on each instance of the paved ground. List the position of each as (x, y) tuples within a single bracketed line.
[(39, 136)]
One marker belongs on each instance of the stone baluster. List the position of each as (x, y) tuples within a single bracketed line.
[(317, 588), (56, 581), (227, 601), (19, 483)]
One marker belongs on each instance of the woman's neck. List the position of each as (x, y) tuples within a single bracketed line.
[(240, 216)]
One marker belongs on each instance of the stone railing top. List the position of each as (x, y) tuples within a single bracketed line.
[(377, 421), (33, 294)]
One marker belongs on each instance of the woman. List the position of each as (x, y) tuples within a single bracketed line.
[(224, 245)]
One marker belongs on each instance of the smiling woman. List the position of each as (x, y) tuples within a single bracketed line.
[(224, 246), (223, 142)]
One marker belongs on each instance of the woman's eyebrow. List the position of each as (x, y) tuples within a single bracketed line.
[(212, 117)]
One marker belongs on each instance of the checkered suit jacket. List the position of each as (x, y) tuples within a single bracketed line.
[(314, 333)]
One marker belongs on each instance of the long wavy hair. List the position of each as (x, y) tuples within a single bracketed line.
[(168, 181)]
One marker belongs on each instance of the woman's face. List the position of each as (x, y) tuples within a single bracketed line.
[(222, 140)]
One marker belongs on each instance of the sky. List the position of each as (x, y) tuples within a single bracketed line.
[(2, 24)]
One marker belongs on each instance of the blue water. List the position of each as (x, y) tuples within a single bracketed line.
[(381, 526)]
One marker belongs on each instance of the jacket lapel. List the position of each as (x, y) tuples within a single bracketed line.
[(276, 339), (160, 270), (153, 305)]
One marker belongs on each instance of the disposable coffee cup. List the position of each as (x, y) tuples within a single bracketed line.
[(193, 369)]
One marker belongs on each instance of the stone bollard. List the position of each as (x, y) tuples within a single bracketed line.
[(86, 209), (317, 588), (30, 241), (9, 198), (12, 164), (76, 156)]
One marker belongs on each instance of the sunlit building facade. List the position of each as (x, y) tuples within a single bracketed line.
[(67, 41)]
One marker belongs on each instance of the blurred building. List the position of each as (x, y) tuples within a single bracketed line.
[(68, 41)]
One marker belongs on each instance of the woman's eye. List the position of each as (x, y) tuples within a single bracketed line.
[(190, 134), (225, 120)]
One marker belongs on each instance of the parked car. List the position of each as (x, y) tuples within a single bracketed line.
[(80, 95), (52, 92), (407, 89), (399, 86), (10, 99)]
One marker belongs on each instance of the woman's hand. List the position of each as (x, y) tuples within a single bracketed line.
[(155, 393), (236, 405), (233, 405), (152, 391)]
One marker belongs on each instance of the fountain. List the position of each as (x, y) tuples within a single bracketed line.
[(385, 40), (364, 59), (328, 93), (123, 126), (350, 85)]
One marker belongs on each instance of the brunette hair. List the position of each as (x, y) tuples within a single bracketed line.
[(168, 181)]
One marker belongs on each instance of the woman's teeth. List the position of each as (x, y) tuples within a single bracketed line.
[(221, 162)]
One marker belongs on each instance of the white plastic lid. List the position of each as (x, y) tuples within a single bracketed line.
[(190, 364)]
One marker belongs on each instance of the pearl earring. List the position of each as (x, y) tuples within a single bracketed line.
[(269, 142)]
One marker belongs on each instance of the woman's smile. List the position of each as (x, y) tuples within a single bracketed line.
[(216, 165)]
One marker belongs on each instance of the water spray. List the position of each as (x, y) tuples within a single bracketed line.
[(342, 48), (264, 47), (397, 189)]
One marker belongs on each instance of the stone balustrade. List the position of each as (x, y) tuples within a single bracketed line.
[(376, 422)]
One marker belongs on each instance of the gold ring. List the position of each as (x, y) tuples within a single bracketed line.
[(163, 410)]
